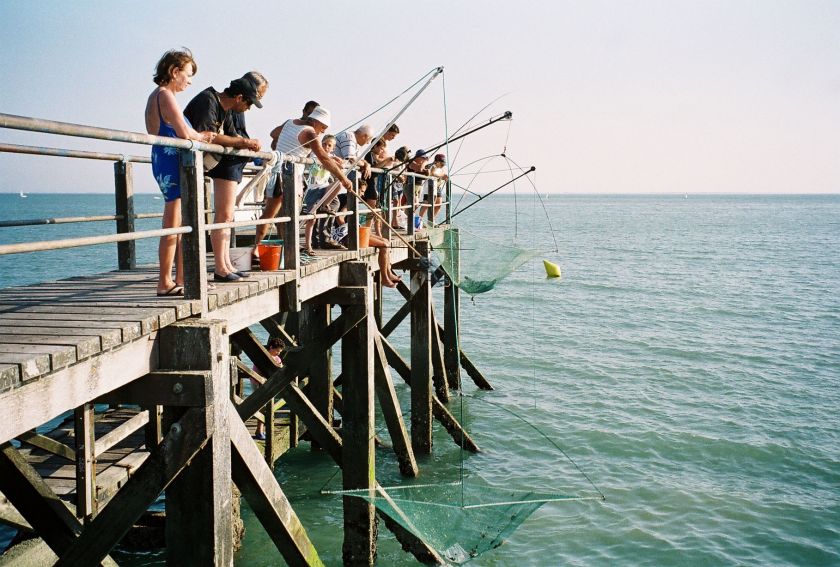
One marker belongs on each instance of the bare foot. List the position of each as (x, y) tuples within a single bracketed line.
[(388, 283)]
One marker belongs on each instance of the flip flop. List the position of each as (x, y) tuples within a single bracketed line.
[(175, 290)]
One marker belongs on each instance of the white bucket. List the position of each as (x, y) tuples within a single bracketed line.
[(241, 258)]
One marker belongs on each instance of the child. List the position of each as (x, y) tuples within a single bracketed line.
[(274, 346)]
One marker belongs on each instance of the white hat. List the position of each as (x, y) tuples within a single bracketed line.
[(321, 114)]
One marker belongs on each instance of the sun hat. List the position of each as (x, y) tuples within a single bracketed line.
[(420, 154), (321, 114)]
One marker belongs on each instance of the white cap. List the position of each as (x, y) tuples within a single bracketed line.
[(321, 114)]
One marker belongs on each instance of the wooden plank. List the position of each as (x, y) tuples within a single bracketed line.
[(256, 481), (48, 444), (392, 413), (9, 377), (182, 308), (130, 331), (121, 432), (85, 346), (59, 356), (70, 387), (246, 312), (108, 338), (181, 388), (30, 365), (157, 317)]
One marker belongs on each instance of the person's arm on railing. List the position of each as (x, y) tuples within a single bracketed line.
[(171, 114)]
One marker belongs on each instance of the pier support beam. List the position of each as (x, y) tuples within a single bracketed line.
[(199, 527), (358, 458), (421, 361), (451, 313), (313, 321)]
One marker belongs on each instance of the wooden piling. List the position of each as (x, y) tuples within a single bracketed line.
[(358, 458), (199, 527), (124, 201), (421, 361)]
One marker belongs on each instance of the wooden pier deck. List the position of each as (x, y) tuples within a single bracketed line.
[(179, 421)]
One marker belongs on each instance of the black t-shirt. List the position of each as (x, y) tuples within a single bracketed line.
[(205, 113)]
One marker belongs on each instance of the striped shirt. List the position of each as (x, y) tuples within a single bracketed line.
[(346, 146)]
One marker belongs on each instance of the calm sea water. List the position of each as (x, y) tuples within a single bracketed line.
[(688, 361)]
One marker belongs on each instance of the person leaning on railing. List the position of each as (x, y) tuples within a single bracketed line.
[(213, 110), (173, 74)]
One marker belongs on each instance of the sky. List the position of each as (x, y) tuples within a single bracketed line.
[(632, 96)]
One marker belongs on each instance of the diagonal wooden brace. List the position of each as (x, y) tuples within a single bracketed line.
[(443, 415), (258, 485)]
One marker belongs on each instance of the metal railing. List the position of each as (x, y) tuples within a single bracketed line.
[(195, 201)]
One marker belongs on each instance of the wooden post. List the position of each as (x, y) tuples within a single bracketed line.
[(154, 428), (409, 193), (194, 244), (448, 202), (314, 319), (86, 504), (124, 196), (353, 220), (358, 458), (451, 309), (199, 528), (421, 367)]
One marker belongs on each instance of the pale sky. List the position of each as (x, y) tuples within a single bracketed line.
[(608, 96)]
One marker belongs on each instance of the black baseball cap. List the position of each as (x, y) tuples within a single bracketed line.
[(247, 87)]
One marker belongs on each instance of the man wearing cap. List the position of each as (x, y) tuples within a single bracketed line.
[(299, 138), (222, 112), (416, 165), (274, 192), (436, 169)]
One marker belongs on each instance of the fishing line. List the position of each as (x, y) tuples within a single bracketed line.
[(544, 436), (542, 203)]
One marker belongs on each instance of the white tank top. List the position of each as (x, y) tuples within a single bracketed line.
[(288, 142)]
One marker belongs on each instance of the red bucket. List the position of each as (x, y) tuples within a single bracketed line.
[(270, 252)]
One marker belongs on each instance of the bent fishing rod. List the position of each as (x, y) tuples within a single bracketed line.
[(508, 115), (456, 213)]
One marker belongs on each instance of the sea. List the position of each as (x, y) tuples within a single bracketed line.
[(677, 389)]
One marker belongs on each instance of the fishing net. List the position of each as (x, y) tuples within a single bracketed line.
[(459, 520), (459, 511), (473, 263)]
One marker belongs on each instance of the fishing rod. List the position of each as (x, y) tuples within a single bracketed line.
[(508, 115), (493, 191)]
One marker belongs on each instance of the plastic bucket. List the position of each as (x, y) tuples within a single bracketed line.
[(364, 236), (418, 222), (241, 258), (270, 252)]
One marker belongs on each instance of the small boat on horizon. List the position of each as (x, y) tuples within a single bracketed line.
[(23, 195)]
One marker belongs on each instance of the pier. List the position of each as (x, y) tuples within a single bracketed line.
[(146, 394)]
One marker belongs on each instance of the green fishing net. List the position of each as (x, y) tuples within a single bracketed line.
[(473, 263), (458, 520)]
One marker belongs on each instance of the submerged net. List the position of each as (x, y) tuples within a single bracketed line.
[(455, 509), (473, 263), (460, 521)]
